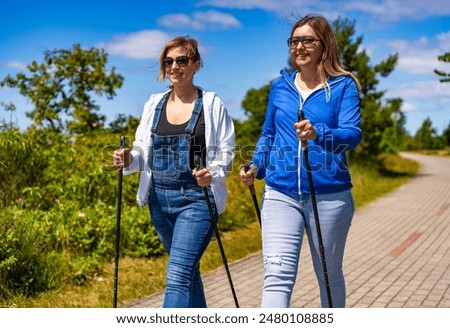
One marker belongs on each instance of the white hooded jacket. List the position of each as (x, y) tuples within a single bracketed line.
[(220, 144)]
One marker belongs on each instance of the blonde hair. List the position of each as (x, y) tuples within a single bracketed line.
[(330, 59), (189, 44)]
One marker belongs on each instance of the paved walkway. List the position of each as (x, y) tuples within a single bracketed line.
[(397, 255)]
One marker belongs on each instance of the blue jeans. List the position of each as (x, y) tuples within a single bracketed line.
[(183, 224), (285, 218)]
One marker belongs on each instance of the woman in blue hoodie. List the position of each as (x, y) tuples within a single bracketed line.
[(328, 97)]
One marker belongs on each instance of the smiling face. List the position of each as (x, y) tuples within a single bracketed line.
[(306, 54), (177, 70)]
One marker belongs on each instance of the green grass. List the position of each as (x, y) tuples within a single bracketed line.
[(371, 180), (141, 277), (435, 152)]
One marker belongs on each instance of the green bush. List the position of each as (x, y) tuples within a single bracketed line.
[(40, 250), (27, 265), (58, 220), (138, 236), (21, 163)]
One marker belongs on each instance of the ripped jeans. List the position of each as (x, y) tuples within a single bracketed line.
[(285, 218)]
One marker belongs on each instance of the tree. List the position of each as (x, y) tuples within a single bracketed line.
[(62, 87), (446, 136), (395, 135), (446, 59), (254, 105), (124, 124), (426, 137), (10, 107), (382, 121)]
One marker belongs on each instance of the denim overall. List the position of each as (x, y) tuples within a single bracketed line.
[(179, 212)]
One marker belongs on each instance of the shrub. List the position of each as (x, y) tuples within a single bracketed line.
[(59, 223), (27, 266), (21, 163)]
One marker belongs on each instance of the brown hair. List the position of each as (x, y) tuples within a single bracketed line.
[(330, 59), (185, 42)]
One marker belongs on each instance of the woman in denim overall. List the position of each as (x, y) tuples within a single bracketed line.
[(175, 130), (179, 213)]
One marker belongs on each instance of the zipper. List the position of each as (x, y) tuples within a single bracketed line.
[(299, 152)]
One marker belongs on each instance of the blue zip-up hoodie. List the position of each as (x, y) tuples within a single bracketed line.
[(334, 111)]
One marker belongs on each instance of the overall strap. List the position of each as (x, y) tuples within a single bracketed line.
[(195, 114), (158, 111)]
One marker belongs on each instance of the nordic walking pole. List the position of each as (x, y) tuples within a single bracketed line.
[(119, 210), (316, 214), (216, 231), (251, 188)]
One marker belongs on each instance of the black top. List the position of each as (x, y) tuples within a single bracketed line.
[(198, 141)]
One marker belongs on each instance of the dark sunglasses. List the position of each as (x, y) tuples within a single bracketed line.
[(181, 61), (306, 41)]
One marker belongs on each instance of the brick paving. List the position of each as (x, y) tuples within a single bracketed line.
[(397, 255)]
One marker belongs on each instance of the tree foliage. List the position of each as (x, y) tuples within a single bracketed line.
[(445, 77), (382, 121), (63, 86), (426, 136), (124, 124), (446, 136), (254, 106)]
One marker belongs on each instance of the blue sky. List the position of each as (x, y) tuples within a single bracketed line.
[(243, 44)]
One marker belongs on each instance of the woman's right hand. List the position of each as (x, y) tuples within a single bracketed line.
[(247, 175), (122, 158)]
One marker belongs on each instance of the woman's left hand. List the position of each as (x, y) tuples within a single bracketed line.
[(305, 130), (202, 176)]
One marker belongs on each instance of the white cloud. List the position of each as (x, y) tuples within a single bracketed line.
[(268, 5), (419, 91), (421, 100), (200, 20), (14, 64), (418, 56), (409, 107), (385, 10), (144, 44), (178, 20), (444, 41), (394, 10)]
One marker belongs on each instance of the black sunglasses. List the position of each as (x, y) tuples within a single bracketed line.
[(306, 41), (181, 61)]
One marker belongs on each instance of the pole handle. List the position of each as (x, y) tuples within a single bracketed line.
[(251, 188), (198, 162), (301, 117)]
